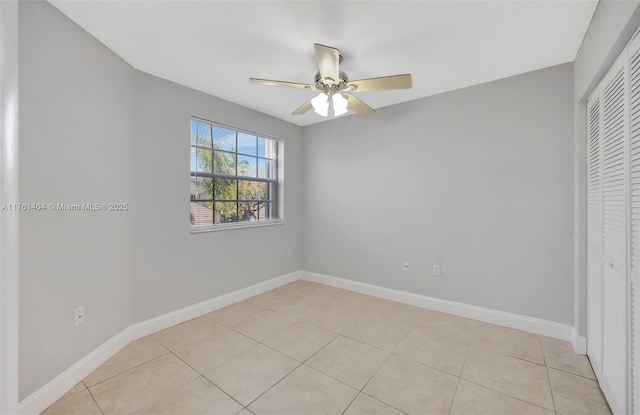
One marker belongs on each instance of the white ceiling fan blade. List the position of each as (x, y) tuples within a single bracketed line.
[(359, 107), (383, 83), (328, 61), (303, 109), (271, 82)]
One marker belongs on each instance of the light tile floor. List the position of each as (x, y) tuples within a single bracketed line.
[(306, 348)]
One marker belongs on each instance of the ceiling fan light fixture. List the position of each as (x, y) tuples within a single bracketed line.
[(321, 104), (330, 81), (339, 104)]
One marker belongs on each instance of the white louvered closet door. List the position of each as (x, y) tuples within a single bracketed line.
[(594, 231), (634, 217), (614, 374), (613, 181)]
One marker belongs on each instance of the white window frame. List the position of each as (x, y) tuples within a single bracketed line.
[(277, 199)]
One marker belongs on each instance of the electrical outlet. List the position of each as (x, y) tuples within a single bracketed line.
[(436, 270), (290, 253), (405, 266), (78, 316)]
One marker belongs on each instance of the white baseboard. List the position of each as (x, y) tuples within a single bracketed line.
[(57, 387), (164, 321), (61, 384), (501, 318), (579, 343)]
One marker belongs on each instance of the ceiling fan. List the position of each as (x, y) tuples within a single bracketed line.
[(332, 83)]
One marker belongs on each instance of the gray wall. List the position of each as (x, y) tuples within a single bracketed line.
[(9, 234), (612, 26), (478, 180), (173, 268), (93, 129), (76, 111)]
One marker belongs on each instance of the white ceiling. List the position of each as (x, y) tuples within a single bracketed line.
[(215, 46)]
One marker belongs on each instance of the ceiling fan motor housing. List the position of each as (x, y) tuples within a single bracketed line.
[(330, 86)]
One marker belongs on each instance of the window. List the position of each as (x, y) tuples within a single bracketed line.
[(233, 177)]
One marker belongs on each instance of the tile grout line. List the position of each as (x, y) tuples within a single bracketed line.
[(390, 353), (361, 391), (367, 382), (574, 374), (223, 391), (289, 373), (272, 386), (256, 340), (455, 393), (553, 400), (271, 348), (305, 360), (338, 333), (334, 339), (311, 368), (506, 394), (366, 344), (300, 363), (94, 400), (510, 355), (303, 364), (390, 406), (424, 365), (206, 378), (127, 370), (377, 348)]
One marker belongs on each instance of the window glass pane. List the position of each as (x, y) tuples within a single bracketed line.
[(194, 159), (247, 166), (260, 211), (248, 211), (262, 168), (224, 139), (264, 211), (247, 143), (204, 159), (194, 131), (226, 189), (204, 134), (204, 188), (224, 163), (251, 190), (192, 187), (226, 212), (261, 147), (267, 168), (201, 213)]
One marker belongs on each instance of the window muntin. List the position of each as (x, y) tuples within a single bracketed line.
[(233, 176)]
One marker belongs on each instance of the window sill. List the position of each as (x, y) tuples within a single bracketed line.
[(230, 226)]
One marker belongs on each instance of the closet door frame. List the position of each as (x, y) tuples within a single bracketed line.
[(614, 375), (633, 273), (594, 240)]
